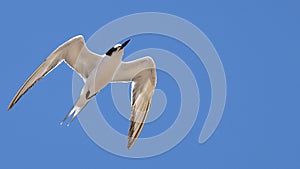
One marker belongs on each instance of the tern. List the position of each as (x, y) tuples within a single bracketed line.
[(97, 71)]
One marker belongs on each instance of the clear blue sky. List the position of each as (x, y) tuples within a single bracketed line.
[(258, 43)]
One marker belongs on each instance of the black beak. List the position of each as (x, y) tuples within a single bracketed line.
[(125, 43)]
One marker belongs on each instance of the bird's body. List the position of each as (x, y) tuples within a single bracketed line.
[(97, 71)]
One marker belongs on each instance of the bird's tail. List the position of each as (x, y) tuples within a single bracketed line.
[(76, 109)]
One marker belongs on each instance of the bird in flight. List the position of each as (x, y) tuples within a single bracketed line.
[(97, 71)]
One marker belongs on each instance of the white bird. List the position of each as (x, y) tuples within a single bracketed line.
[(97, 71)]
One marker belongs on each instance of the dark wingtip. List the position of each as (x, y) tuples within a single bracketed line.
[(10, 106), (131, 142), (129, 146)]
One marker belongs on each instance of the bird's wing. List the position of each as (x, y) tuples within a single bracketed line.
[(142, 73), (70, 52)]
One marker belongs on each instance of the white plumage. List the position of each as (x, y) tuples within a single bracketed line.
[(97, 71)]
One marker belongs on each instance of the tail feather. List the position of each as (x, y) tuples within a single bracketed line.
[(76, 109), (68, 115)]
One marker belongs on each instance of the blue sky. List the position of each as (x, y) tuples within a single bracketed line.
[(257, 41)]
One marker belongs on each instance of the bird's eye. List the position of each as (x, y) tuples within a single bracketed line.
[(110, 51)]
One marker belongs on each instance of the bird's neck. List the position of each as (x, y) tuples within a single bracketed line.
[(117, 57)]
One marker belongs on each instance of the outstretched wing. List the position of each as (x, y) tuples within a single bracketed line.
[(74, 52), (142, 73)]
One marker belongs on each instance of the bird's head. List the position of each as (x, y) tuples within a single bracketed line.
[(118, 49)]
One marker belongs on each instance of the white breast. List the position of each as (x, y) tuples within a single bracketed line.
[(103, 73)]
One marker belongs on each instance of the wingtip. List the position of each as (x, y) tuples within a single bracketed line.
[(129, 146), (131, 142), (10, 106)]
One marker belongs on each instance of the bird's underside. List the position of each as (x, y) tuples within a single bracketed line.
[(141, 72)]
